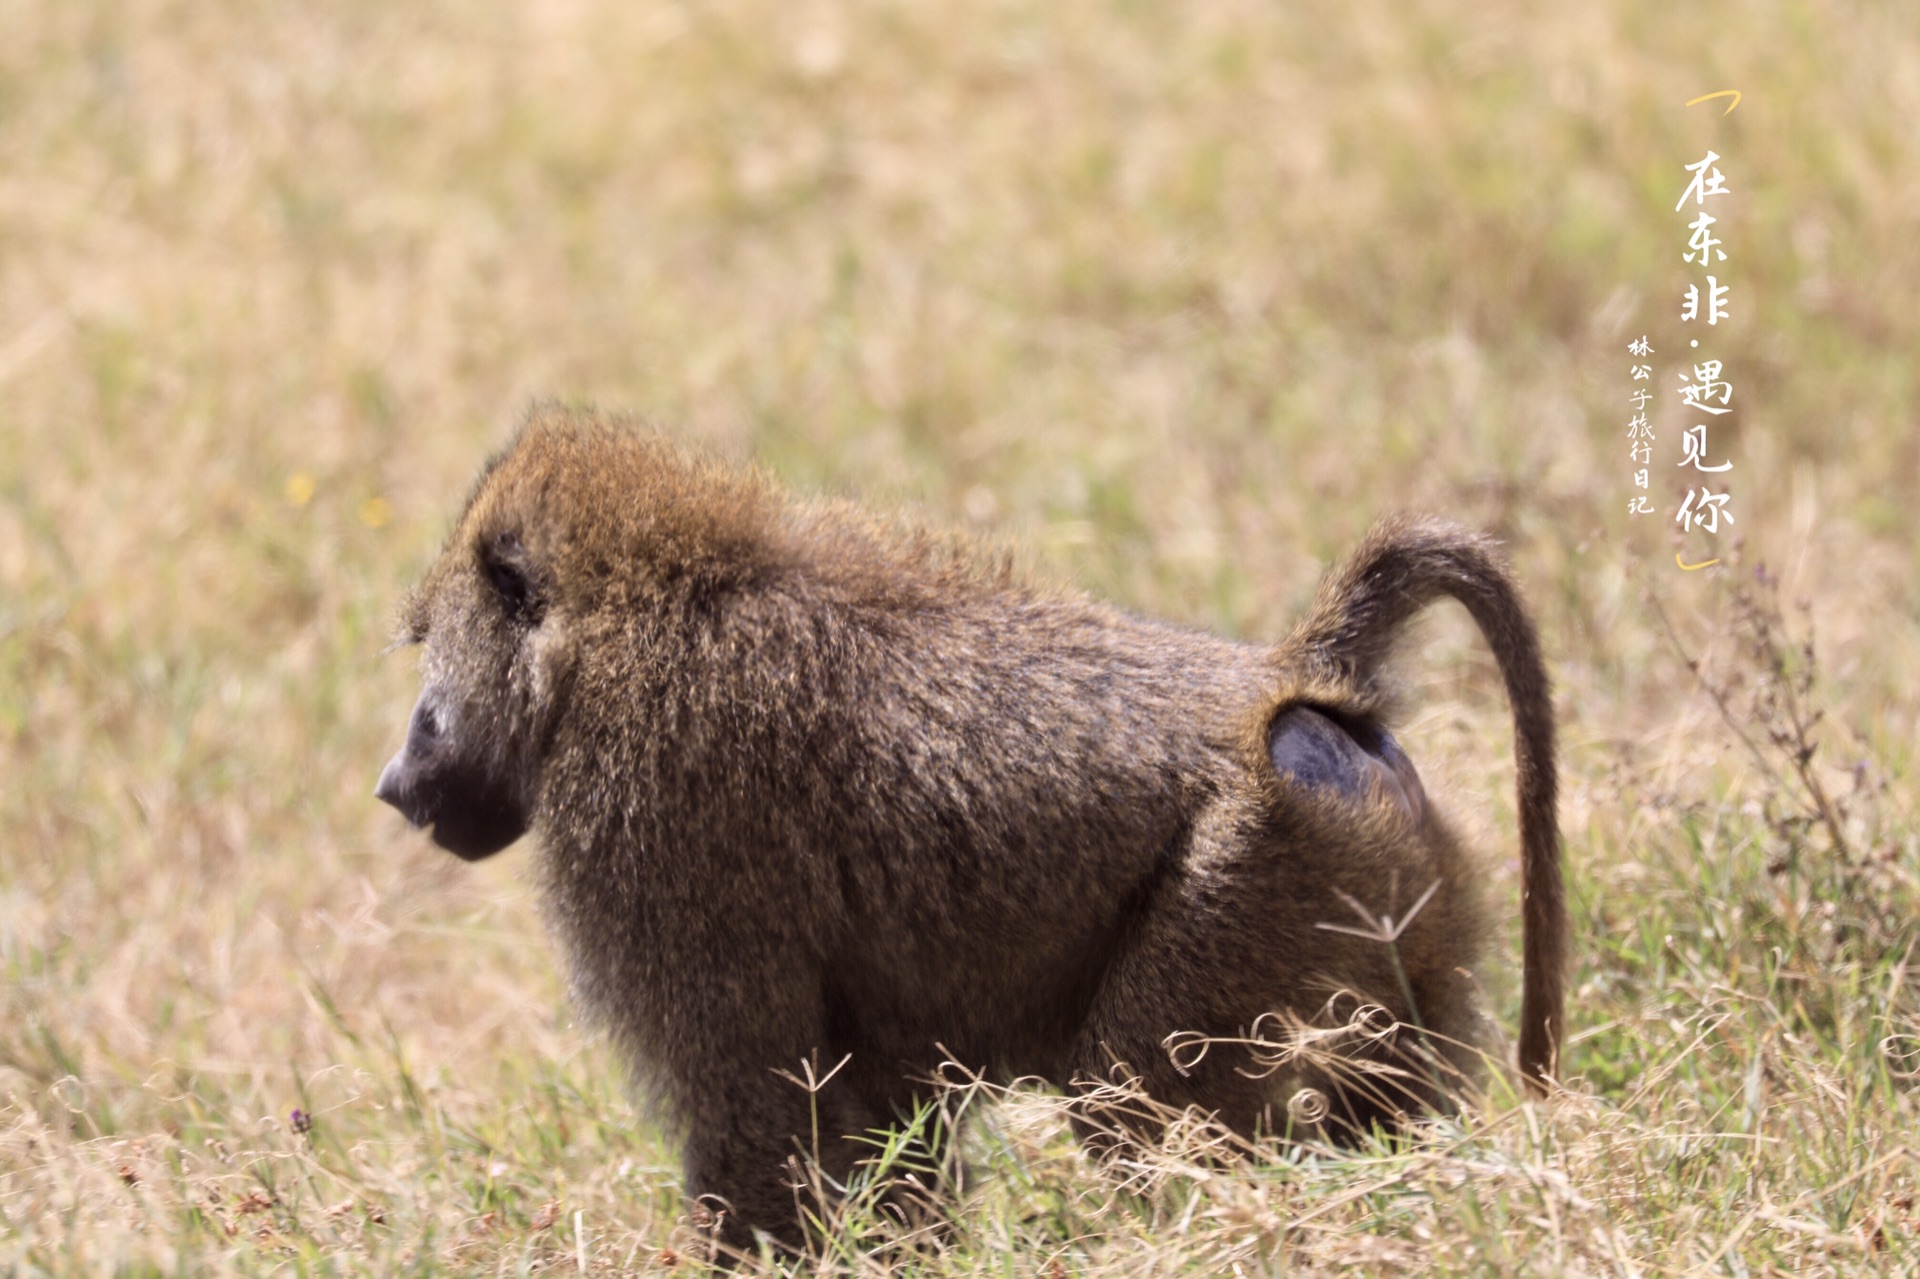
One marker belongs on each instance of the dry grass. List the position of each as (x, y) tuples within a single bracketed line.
[(1179, 297)]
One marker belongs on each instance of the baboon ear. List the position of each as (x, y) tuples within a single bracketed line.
[(509, 570), (1351, 757)]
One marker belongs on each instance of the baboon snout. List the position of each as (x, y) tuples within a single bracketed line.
[(395, 787), (400, 781), (459, 787)]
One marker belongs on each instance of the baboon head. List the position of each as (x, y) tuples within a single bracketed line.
[(470, 766), (577, 540)]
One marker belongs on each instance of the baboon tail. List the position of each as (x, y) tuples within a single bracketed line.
[(1401, 567)]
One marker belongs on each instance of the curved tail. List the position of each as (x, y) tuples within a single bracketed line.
[(1401, 567)]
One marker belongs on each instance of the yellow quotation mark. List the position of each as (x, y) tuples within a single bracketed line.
[(1724, 93)]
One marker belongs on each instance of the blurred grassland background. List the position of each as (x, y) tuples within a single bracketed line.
[(1173, 298)]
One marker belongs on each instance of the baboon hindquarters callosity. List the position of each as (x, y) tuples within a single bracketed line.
[(807, 788)]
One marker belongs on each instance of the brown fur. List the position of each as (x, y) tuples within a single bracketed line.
[(809, 789)]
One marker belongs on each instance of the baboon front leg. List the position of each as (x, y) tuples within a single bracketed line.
[(765, 1153)]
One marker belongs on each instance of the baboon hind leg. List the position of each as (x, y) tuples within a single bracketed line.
[(1230, 997)]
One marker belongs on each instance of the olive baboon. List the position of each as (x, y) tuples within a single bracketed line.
[(809, 787)]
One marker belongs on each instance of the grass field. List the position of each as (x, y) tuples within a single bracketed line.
[(1174, 300)]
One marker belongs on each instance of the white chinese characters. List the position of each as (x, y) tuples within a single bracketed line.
[(1704, 392)]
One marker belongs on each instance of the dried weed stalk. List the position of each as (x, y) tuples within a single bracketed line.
[(1826, 825)]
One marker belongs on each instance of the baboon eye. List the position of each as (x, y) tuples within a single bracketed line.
[(505, 561)]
